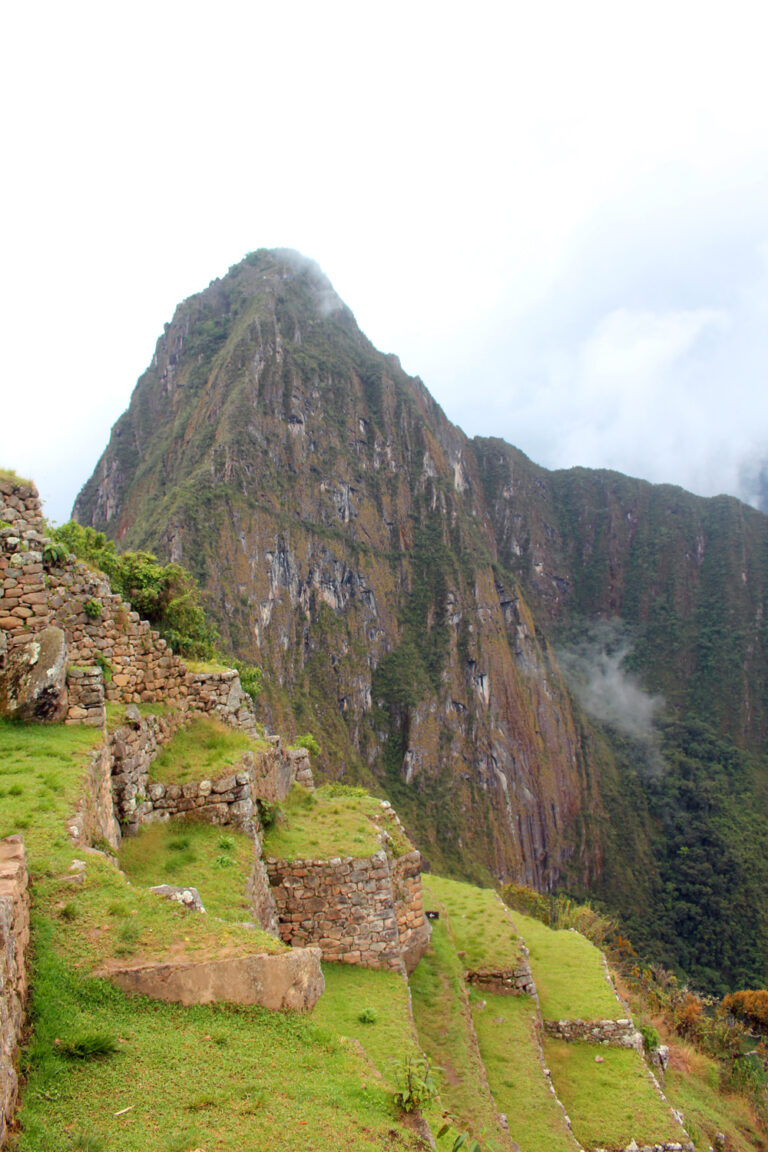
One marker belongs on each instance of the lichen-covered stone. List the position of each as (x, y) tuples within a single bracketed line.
[(33, 686)]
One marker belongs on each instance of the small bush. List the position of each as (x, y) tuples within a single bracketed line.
[(93, 609), (368, 1016), (415, 1085), (106, 668), (308, 741), (651, 1038)]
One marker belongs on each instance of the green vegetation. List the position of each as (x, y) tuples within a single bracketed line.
[(568, 972), (506, 1033), (445, 1033), (323, 824), (609, 1096), (9, 474), (382, 997), (202, 750), (164, 594), (254, 1078), (193, 854), (480, 925)]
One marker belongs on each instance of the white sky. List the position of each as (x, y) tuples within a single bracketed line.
[(555, 213)]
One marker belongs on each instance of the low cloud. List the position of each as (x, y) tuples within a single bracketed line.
[(595, 670)]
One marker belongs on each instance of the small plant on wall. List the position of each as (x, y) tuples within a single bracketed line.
[(93, 609)]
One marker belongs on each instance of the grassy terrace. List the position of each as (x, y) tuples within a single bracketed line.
[(505, 1028), (202, 750), (569, 973), (216, 862), (608, 1095), (480, 924), (444, 1025), (164, 1077), (333, 821)]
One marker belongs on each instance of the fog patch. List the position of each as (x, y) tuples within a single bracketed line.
[(595, 670)]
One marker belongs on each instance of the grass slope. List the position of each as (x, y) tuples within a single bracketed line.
[(506, 1033), (569, 973), (327, 823), (202, 750), (191, 854), (480, 924), (609, 1096)]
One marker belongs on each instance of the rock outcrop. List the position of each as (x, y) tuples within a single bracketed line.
[(33, 684), (290, 981)]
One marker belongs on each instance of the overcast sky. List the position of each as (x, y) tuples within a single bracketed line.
[(556, 214)]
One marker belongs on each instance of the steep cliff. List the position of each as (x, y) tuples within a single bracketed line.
[(413, 595)]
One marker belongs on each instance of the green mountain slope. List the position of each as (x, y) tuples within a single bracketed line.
[(497, 646)]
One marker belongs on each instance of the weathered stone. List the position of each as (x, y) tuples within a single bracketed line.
[(188, 897), (290, 980), (33, 686)]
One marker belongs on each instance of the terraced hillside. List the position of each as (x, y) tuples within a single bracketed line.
[(106, 1072)]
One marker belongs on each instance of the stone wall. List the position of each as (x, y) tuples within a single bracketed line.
[(24, 607), (14, 938), (100, 627), (133, 747), (619, 1033), (349, 908), (412, 925), (276, 768), (85, 697), (94, 818)]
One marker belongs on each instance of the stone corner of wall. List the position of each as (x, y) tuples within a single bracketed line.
[(14, 939)]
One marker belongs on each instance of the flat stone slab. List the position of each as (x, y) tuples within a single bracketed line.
[(288, 981)]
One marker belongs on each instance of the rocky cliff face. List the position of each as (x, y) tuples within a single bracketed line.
[(339, 524), (406, 589)]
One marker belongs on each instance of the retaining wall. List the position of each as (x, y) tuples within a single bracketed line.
[(350, 909), (14, 938), (619, 1033)]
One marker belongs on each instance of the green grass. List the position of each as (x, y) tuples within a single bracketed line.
[(203, 750), (9, 474), (215, 1077), (321, 825), (192, 854), (41, 771), (506, 1032), (206, 666), (608, 1095), (116, 712), (569, 974), (480, 923), (388, 1032), (445, 1031)]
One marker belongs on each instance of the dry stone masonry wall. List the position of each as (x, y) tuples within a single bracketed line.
[(619, 1033), (351, 908), (100, 628), (14, 938)]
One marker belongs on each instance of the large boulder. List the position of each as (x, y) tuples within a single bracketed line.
[(33, 684), (288, 981)]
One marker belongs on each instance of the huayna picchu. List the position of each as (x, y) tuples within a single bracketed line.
[(558, 678)]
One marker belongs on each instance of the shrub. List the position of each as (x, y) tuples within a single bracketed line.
[(308, 741), (415, 1085), (93, 609), (368, 1016)]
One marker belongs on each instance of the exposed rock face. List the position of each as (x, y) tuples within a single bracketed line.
[(403, 587), (290, 981), (33, 686), (349, 554)]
